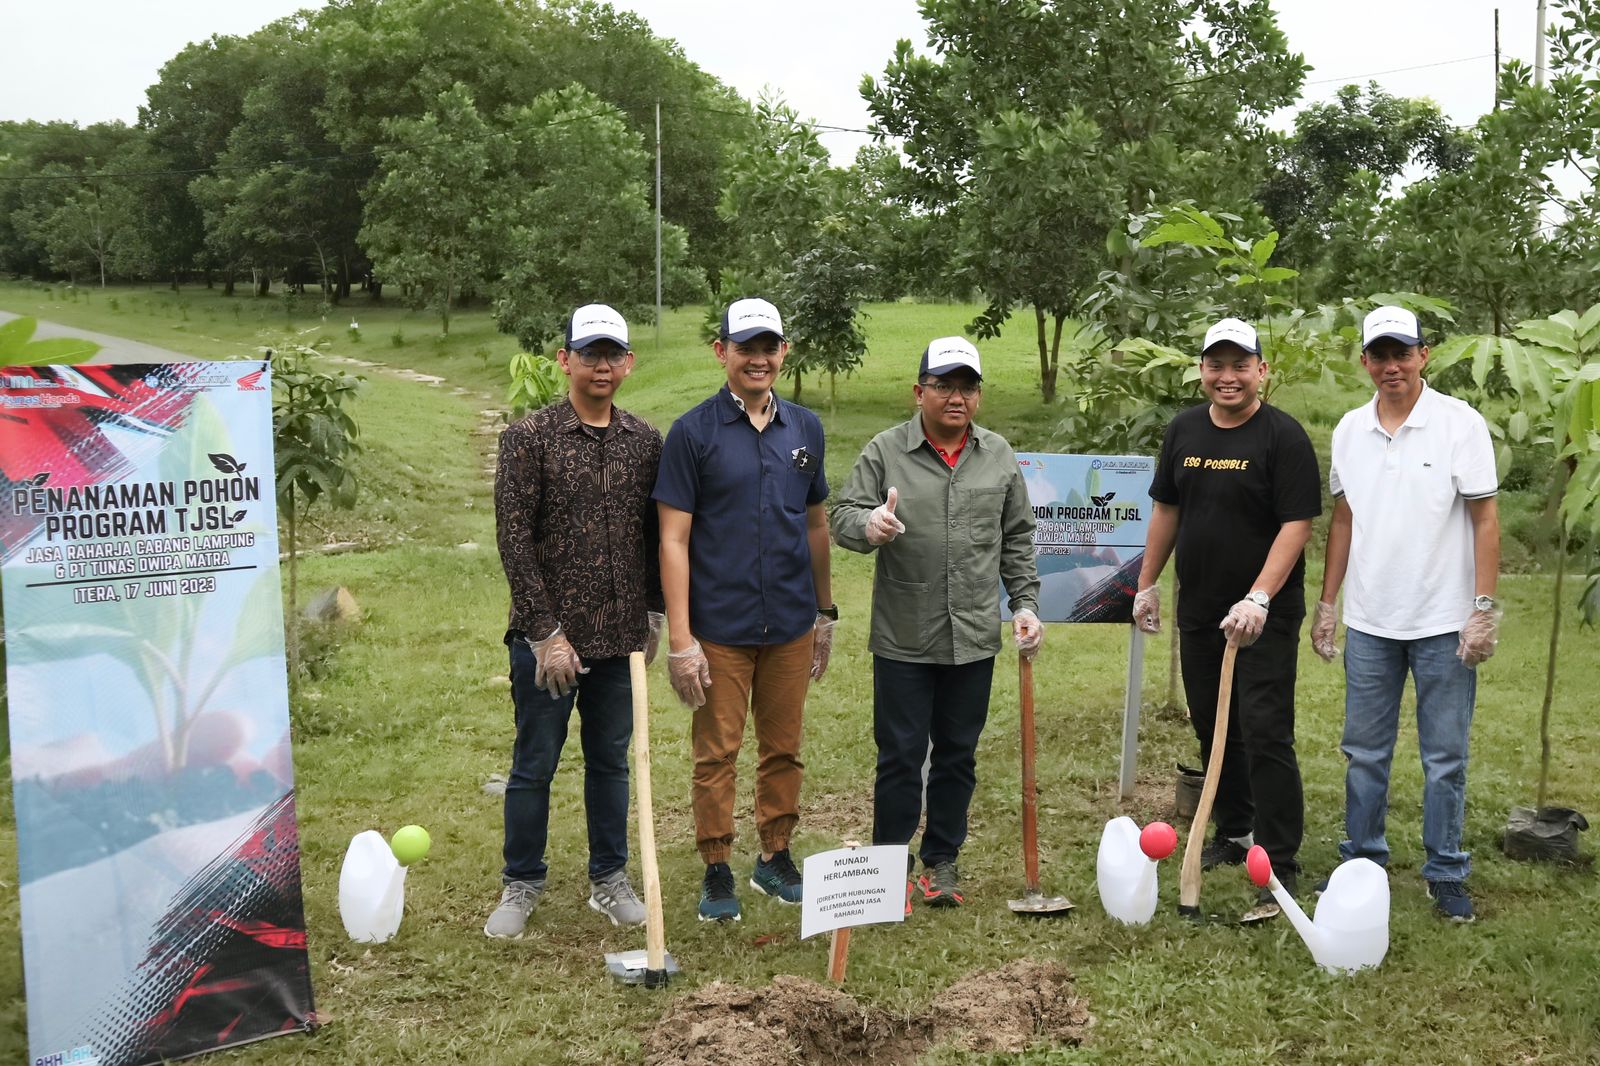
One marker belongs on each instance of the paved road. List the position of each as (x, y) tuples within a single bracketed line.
[(112, 349)]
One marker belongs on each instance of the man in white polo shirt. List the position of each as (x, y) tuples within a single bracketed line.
[(1415, 541)]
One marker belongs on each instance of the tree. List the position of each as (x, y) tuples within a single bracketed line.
[(313, 438), (582, 227), (1548, 367), (437, 217), (1333, 143), (822, 295), (1155, 100)]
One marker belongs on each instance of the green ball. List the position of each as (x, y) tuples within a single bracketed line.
[(409, 843)]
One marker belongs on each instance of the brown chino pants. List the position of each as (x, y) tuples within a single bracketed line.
[(768, 683)]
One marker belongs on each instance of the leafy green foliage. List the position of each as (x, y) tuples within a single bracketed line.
[(314, 439), (536, 381), (435, 219), (17, 348), (822, 295), (582, 227)]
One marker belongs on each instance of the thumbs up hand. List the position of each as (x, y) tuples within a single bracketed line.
[(882, 525)]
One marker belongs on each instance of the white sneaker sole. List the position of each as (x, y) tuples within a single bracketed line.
[(708, 918), (773, 895), (500, 936), (594, 905)]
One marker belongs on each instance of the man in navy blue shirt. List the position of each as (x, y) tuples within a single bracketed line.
[(744, 570)]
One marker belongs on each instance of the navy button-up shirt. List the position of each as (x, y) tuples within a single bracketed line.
[(749, 559)]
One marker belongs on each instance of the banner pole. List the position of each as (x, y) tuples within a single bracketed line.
[(1130, 712)]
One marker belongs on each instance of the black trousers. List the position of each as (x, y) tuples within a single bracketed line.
[(913, 704), (1259, 790)]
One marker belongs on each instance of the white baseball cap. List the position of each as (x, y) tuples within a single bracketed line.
[(750, 317), (1232, 331), (595, 322), (948, 354), (1390, 321)]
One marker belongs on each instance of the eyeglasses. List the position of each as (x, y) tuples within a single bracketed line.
[(943, 389), (592, 356)]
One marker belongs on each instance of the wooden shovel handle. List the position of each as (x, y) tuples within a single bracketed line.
[(654, 931), (1189, 890), (1030, 792)]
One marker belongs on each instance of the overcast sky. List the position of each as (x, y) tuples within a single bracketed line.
[(91, 60)]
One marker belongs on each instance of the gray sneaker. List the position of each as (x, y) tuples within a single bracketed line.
[(615, 898), (517, 901)]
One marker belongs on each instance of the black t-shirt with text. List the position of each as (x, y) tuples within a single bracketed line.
[(1234, 489)]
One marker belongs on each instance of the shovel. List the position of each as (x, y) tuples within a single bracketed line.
[(1033, 901), (652, 966), (1189, 882)]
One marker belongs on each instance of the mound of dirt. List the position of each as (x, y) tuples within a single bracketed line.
[(794, 1020), (1009, 1008)]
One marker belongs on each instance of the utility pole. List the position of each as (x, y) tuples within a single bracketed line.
[(1538, 51), (658, 225), (1497, 59)]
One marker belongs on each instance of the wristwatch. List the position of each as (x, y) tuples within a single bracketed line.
[(1260, 599), (830, 612), (1484, 603)]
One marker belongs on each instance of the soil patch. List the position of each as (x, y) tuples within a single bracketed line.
[(796, 1020), (1010, 1008), (793, 1020)]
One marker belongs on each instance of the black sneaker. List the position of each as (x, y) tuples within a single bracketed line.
[(1322, 886), (940, 885), (1222, 851), (1450, 899), (777, 877), (717, 901)]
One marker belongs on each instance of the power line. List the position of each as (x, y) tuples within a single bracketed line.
[(1349, 78)]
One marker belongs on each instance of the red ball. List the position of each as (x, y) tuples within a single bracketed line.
[(1157, 840), (1259, 866)]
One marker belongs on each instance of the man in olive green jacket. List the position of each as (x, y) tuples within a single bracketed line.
[(943, 504)]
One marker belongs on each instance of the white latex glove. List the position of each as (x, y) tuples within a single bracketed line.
[(1028, 632), (652, 642), (1147, 609), (1479, 636), (1323, 624), (556, 664), (1244, 623), (690, 673), (882, 525), (821, 646)]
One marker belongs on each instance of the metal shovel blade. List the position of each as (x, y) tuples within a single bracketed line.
[(1038, 903), (632, 968)]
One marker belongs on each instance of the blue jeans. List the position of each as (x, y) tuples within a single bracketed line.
[(1375, 671), (604, 698)]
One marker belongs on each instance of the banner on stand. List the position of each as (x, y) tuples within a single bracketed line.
[(156, 840), (1091, 515)]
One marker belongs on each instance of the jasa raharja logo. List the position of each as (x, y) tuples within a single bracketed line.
[(78, 1056)]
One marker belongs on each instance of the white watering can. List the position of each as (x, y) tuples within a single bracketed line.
[(372, 889), (1351, 930), (1125, 870)]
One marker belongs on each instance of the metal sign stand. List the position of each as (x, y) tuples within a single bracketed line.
[(1130, 712)]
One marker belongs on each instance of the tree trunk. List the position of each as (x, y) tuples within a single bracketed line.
[(1055, 358), (1550, 675), (227, 284), (1047, 379), (375, 287)]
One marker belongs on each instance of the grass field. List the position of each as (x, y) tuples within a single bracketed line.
[(412, 717)]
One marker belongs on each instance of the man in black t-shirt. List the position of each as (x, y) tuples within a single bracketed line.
[(1235, 490)]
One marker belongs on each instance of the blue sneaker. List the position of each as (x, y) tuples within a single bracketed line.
[(717, 901), (778, 878), (1450, 899)]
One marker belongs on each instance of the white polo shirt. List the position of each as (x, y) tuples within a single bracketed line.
[(1411, 547)]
